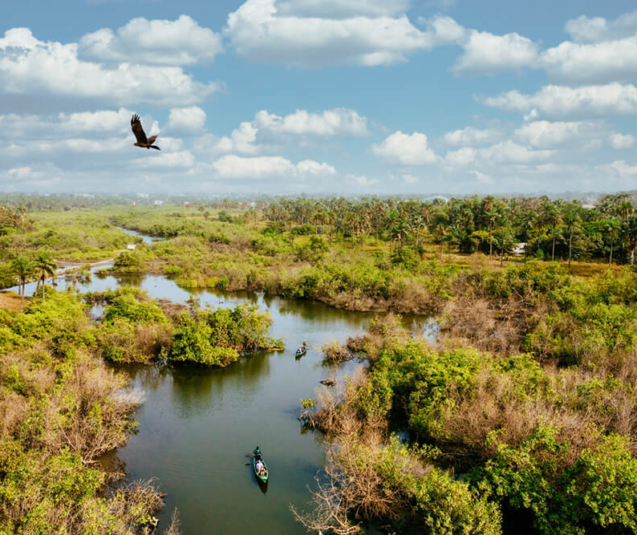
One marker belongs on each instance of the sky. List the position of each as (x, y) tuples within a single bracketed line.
[(351, 97)]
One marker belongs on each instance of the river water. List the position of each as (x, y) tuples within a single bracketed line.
[(196, 425)]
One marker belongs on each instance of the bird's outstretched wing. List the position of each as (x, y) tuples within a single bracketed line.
[(136, 125)]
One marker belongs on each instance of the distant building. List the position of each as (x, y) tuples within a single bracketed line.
[(158, 203), (131, 246), (187, 204), (520, 248)]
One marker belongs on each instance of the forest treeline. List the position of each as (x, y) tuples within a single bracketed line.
[(549, 228)]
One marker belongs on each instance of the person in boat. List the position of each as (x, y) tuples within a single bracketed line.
[(257, 453), (302, 347), (260, 467)]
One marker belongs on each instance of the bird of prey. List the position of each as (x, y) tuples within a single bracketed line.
[(140, 135)]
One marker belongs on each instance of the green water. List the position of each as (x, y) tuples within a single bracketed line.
[(196, 425)]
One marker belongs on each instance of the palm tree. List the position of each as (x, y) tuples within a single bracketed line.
[(554, 219), (487, 206), (441, 231), (626, 209), (504, 239), (23, 269), (630, 233), (612, 229), (44, 268), (571, 218)]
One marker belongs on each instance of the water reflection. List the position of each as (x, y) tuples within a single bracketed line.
[(147, 239)]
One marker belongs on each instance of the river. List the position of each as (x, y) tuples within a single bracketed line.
[(196, 425)]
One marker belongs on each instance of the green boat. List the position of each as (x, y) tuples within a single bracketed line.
[(301, 350), (263, 478)]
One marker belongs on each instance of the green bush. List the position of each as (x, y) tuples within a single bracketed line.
[(128, 307)]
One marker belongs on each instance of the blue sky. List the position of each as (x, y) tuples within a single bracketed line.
[(319, 96)]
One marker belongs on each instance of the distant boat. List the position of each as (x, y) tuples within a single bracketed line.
[(301, 350)]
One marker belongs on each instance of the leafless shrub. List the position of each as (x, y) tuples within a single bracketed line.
[(353, 488), (335, 352)]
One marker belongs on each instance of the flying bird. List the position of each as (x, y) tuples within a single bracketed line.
[(142, 141)]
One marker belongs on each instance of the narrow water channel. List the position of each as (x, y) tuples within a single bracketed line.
[(196, 425)]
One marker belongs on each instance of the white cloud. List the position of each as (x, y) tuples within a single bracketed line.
[(161, 42), (623, 169), (96, 121), (406, 149), (232, 166), (471, 136), (482, 177), (312, 168), (444, 29), (362, 180), (548, 135), (591, 30), (560, 101), (486, 53), (20, 172), (169, 144), (182, 158), (313, 33), (241, 140), (621, 141), (186, 120), (338, 121), (244, 140), (511, 152), (599, 62), (410, 179), (461, 158), (32, 67), (56, 136)]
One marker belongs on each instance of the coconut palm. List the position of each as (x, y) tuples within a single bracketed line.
[(612, 230), (23, 270), (630, 234), (626, 209), (571, 220), (554, 219), (44, 268)]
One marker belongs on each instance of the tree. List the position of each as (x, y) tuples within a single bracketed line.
[(23, 270), (479, 236), (612, 229), (44, 268), (504, 239), (626, 209), (441, 231), (571, 220), (488, 205), (630, 234), (554, 220)]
